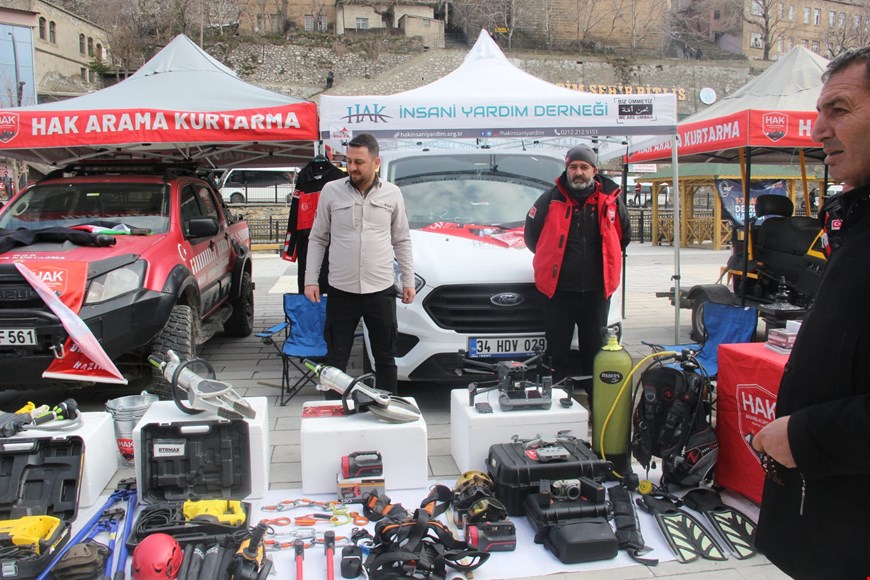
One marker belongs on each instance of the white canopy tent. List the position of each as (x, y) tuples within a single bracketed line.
[(487, 97)]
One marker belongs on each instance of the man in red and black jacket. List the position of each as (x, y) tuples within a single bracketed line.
[(578, 232)]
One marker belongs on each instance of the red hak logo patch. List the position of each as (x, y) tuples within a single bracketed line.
[(774, 125), (8, 126), (532, 212)]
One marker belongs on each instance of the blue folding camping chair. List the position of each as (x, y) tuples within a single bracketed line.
[(302, 331), (723, 324)]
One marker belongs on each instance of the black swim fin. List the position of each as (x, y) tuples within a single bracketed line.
[(732, 525), (686, 536)]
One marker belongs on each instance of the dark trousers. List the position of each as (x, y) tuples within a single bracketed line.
[(587, 311), (378, 311)]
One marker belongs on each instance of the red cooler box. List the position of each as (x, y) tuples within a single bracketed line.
[(748, 384)]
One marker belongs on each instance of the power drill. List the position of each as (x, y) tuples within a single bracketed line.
[(250, 562)]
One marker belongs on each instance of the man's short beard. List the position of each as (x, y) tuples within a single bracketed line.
[(580, 186)]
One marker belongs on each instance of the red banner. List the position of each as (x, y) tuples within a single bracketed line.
[(67, 281), (21, 129), (744, 129)]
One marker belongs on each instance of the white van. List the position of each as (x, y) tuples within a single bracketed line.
[(475, 285), (264, 185)]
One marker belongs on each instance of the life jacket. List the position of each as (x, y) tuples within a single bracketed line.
[(550, 248)]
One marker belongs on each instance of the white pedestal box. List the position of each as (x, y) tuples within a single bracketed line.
[(97, 433), (166, 413), (324, 440), (472, 433)]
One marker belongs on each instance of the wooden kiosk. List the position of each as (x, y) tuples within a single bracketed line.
[(700, 225)]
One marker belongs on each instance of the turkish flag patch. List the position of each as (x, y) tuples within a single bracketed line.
[(532, 212)]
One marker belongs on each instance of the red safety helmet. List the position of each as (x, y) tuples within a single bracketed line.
[(157, 557)]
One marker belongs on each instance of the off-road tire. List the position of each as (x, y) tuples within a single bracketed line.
[(179, 334), (241, 321)]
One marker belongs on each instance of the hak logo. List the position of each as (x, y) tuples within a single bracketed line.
[(361, 113), (774, 125), (8, 127)]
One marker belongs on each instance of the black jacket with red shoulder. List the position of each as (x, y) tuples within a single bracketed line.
[(578, 243)]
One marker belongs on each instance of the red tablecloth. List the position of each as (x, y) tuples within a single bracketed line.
[(748, 384)]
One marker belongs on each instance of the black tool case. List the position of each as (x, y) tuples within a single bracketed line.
[(516, 474), (207, 459), (192, 460), (562, 511), (38, 477)]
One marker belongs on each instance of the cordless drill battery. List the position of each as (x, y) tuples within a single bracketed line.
[(362, 464)]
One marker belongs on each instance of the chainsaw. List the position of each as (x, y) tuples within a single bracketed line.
[(203, 394), (357, 397)]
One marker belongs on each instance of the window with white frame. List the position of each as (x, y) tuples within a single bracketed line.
[(791, 12), (817, 17), (781, 10), (323, 24), (757, 8), (856, 21), (806, 15), (815, 47), (841, 22), (52, 32), (82, 44), (755, 40), (42, 26), (362, 23), (309, 23), (832, 18), (780, 44)]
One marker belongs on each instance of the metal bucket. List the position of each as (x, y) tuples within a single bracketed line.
[(126, 411)]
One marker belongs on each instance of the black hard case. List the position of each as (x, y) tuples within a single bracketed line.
[(586, 540), (193, 460), (562, 512), (516, 475), (40, 476)]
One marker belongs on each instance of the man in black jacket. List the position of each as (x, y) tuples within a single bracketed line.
[(577, 231), (815, 518)]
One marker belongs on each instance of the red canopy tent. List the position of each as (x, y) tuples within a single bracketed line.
[(770, 119), (772, 114), (181, 105)]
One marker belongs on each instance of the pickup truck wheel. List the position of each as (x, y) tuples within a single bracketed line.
[(241, 321), (179, 336)]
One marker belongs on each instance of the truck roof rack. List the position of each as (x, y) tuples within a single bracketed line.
[(125, 167)]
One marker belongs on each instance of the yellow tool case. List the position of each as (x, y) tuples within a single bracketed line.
[(40, 481)]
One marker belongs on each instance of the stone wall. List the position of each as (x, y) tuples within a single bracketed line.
[(300, 71)]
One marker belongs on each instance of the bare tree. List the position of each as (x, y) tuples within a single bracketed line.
[(590, 15), (768, 18), (640, 22)]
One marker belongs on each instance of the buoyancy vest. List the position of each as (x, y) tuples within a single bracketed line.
[(550, 248)]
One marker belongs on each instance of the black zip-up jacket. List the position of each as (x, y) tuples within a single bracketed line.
[(817, 524)]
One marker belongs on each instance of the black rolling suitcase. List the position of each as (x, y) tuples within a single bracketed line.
[(517, 472)]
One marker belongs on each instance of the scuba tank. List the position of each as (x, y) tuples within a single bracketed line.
[(610, 368)]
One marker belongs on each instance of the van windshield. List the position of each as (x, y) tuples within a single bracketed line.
[(465, 188)]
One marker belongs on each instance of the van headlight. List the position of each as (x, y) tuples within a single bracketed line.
[(397, 280), (116, 282)]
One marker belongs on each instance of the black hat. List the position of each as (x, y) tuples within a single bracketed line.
[(582, 153)]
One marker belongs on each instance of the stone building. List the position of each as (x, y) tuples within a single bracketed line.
[(57, 45)]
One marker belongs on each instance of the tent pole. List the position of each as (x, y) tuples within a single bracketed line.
[(808, 210), (675, 197), (747, 196), (623, 185)]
